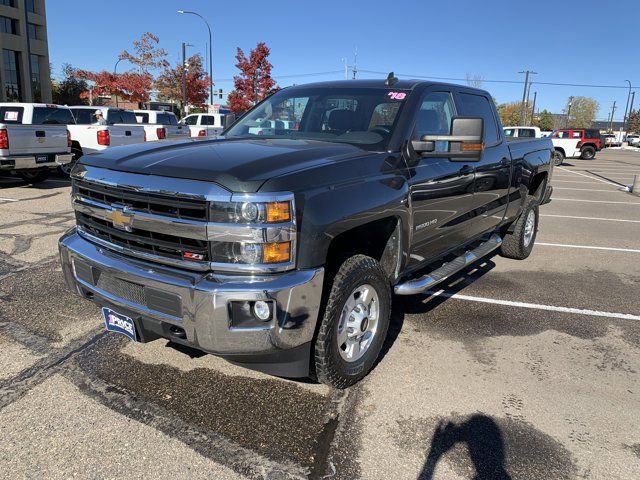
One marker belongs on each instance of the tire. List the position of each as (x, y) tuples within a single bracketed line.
[(38, 176), (66, 168), (588, 153), (558, 157), (341, 366), (519, 243)]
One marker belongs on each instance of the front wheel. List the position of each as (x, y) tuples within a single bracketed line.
[(558, 157), (588, 153), (355, 322), (519, 243), (34, 177)]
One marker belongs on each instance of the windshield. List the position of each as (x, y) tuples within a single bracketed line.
[(360, 116)]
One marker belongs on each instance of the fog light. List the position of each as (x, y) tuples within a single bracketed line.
[(261, 310)]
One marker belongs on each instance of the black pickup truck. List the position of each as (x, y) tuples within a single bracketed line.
[(280, 245)]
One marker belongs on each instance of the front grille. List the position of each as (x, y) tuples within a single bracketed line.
[(137, 240), (168, 206), (142, 240)]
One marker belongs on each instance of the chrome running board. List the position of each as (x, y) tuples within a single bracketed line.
[(419, 285)]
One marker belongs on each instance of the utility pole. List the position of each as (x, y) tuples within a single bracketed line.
[(184, 78), (533, 107), (355, 63), (569, 113), (624, 119), (523, 110), (633, 97), (613, 110)]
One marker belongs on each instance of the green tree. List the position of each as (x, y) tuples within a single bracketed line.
[(510, 113), (633, 122), (545, 120), (583, 111), (69, 90)]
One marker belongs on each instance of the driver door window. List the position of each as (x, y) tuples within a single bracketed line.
[(434, 118)]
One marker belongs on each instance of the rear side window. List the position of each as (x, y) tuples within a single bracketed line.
[(11, 114), (47, 115), (142, 117), (208, 120), (191, 120), (527, 133), (577, 134), (166, 119), (479, 106), (127, 117), (592, 133)]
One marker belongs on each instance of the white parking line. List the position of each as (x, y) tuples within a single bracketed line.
[(576, 181), (8, 200), (591, 218), (589, 247), (585, 189), (535, 306), (587, 176), (593, 201)]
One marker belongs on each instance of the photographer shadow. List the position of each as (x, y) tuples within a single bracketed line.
[(484, 443)]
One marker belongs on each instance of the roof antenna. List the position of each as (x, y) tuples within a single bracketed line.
[(391, 80)]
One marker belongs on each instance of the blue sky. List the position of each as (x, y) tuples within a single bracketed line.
[(583, 42)]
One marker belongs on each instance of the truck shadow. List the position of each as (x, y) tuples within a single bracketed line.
[(484, 442), (416, 304)]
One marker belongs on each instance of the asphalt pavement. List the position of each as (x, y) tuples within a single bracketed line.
[(511, 369)]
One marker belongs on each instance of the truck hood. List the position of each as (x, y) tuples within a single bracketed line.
[(241, 165)]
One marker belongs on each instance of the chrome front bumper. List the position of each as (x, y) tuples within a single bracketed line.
[(205, 312), (29, 162)]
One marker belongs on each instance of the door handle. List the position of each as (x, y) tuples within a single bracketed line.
[(41, 133), (466, 170), (127, 133)]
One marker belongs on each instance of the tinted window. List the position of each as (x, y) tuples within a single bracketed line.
[(47, 115), (11, 114), (142, 117), (592, 133), (479, 106), (165, 119), (127, 117), (434, 116), (113, 116), (208, 120), (527, 133), (84, 116), (191, 120)]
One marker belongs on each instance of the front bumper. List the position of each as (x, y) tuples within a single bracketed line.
[(29, 162), (194, 308)]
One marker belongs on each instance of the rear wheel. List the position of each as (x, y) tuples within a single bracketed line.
[(519, 243), (355, 322), (558, 157), (37, 176), (587, 153)]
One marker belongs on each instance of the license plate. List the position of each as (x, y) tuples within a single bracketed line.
[(42, 158), (119, 323)]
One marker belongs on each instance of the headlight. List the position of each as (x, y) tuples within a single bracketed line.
[(253, 232), (251, 212)]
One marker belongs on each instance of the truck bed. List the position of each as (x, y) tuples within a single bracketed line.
[(519, 147)]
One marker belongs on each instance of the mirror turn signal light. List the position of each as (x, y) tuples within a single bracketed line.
[(278, 212), (471, 147), (276, 252)]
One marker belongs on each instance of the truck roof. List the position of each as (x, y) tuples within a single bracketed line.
[(407, 84)]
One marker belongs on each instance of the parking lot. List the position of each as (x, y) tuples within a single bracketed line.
[(529, 369)]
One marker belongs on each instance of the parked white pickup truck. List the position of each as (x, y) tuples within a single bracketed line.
[(159, 125), (33, 140), (522, 132), (88, 136), (204, 124)]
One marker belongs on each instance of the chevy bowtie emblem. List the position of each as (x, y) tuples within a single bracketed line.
[(120, 218)]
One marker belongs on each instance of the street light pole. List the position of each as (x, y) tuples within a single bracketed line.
[(569, 112), (114, 72), (210, 49)]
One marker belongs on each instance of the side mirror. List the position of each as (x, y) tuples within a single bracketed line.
[(465, 142), (229, 119)]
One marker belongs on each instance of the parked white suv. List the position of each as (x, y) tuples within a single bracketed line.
[(159, 124), (33, 139)]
